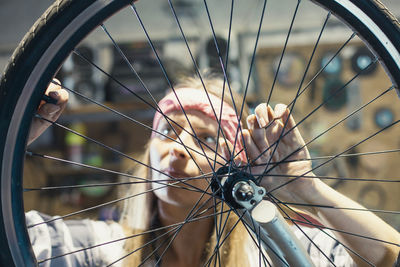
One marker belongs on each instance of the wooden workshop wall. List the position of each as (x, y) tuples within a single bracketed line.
[(360, 89)]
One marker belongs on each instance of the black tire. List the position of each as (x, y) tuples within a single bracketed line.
[(25, 58), (51, 40)]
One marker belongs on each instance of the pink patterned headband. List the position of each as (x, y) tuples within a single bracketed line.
[(197, 99)]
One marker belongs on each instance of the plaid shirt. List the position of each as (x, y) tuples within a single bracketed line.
[(63, 236)]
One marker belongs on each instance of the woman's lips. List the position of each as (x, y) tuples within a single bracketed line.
[(175, 173)]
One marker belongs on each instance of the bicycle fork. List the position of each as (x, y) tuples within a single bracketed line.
[(277, 239), (262, 217)]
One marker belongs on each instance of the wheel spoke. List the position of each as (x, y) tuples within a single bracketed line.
[(217, 231), (299, 89), (126, 60), (283, 51), (170, 84), (226, 79), (218, 119), (339, 208), (220, 242), (329, 178), (249, 228), (172, 88), (370, 153), (345, 232), (302, 231), (109, 148), (320, 71), (324, 132), (191, 212), (151, 231), (106, 204), (143, 180), (248, 79), (168, 119)]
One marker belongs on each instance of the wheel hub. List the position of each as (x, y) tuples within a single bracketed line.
[(237, 187)]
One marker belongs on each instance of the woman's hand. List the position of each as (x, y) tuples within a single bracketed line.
[(289, 163), (290, 158), (48, 111)]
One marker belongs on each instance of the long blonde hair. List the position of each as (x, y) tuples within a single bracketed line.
[(140, 212)]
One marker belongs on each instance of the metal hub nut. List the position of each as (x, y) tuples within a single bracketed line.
[(244, 192)]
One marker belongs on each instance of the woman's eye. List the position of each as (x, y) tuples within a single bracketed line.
[(210, 140), (166, 131)]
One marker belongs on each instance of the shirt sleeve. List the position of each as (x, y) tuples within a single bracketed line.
[(65, 243), (112, 237), (328, 247)]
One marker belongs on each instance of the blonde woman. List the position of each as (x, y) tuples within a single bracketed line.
[(164, 205)]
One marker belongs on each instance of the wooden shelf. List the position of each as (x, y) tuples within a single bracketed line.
[(95, 113), (61, 169)]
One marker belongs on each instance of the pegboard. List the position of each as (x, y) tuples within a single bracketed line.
[(358, 90)]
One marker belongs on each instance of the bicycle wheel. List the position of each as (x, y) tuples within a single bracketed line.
[(253, 63)]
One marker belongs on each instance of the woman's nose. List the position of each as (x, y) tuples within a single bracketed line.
[(177, 151)]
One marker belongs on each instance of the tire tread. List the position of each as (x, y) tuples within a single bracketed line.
[(48, 16)]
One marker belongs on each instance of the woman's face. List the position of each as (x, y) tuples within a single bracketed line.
[(173, 160)]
